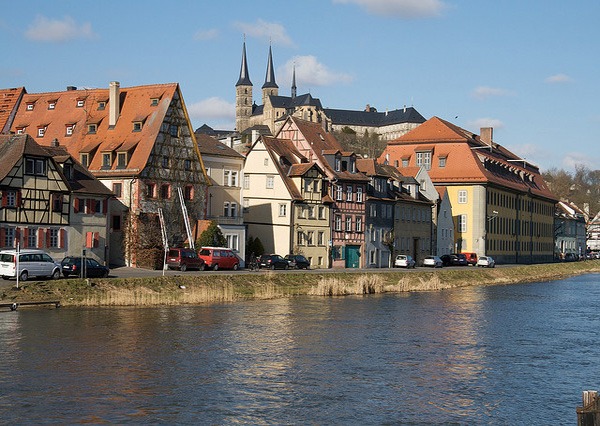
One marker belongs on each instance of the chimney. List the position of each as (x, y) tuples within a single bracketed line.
[(405, 109), (255, 135), (113, 103), (71, 88), (486, 134), (54, 143), (368, 108)]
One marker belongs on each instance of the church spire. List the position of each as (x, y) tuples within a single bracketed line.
[(294, 82), (270, 77), (244, 79)]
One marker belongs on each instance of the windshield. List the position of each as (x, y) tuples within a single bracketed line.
[(7, 258)]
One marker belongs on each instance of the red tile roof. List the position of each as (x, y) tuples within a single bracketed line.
[(468, 158), (9, 102)]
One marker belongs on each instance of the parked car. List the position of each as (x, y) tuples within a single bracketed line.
[(184, 259), (462, 259), (570, 257), (433, 261), (449, 260), (71, 265), (32, 263), (273, 261), (471, 258), (486, 262), (219, 258), (404, 261), (297, 261)]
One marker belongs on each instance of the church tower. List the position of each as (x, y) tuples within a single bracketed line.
[(294, 83), (270, 87), (243, 96)]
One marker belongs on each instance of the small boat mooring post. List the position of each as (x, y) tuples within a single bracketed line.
[(589, 413)]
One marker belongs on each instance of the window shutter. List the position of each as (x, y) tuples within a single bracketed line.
[(61, 243), (88, 239), (4, 200), (76, 205), (105, 207), (92, 206), (47, 238), (2, 235), (18, 198), (18, 236), (88, 205), (25, 237), (40, 241), (96, 239)]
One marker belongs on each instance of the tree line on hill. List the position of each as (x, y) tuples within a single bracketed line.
[(581, 187)]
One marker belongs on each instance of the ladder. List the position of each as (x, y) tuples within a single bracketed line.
[(186, 218), (165, 240)]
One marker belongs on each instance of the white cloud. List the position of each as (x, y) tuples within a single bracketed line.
[(400, 8), (310, 72), (485, 122), (203, 35), (483, 92), (558, 78), (529, 151), (265, 30), (57, 31), (573, 159), (212, 110)]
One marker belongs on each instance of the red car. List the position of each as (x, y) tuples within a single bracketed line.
[(183, 259)]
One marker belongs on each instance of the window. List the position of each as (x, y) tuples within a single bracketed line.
[(165, 191), (54, 239), (69, 129), (117, 188), (165, 161), (150, 190), (115, 223), (32, 237), (92, 129), (310, 238), (187, 164), (349, 193), (266, 162), (101, 105), (315, 186), (442, 162), (246, 205), (121, 159), (353, 165), (51, 104), (84, 159), (321, 212), (405, 162), (68, 171), (188, 192), (270, 182), (106, 160), (307, 185), (30, 106), (338, 164), (80, 103), (246, 181), (462, 223), (462, 197), (282, 209), (20, 130), (311, 212), (226, 209), (154, 102), (339, 195), (174, 130), (232, 241), (320, 238), (9, 237), (358, 223), (11, 199), (233, 210), (35, 166), (424, 159), (396, 163), (41, 131), (338, 223), (359, 194), (348, 223), (137, 126), (300, 238)]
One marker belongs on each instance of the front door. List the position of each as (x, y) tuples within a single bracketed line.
[(352, 256)]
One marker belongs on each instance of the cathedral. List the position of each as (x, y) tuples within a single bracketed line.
[(275, 108)]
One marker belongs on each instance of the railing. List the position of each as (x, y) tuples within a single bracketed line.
[(227, 220)]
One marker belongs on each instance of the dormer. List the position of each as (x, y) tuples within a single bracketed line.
[(29, 106), (67, 168), (102, 104), (52, 103), (138, 123), (41, 130), (79, 102), (93, 125), (69, 128), (107, 160), (154, 101), (124, 153), (338, 162), (20, 129)]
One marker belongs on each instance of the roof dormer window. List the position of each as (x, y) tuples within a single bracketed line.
[(101, 105), (51, 104), (92, 127), (41, 131), (69, 129), (68, 170), (20, 130), (121, 160), (106, 160), (30, 106), (154, 102), (80, 102), (137, 126), (338, 164)]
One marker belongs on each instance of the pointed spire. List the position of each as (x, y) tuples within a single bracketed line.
[(270, 77), (244, 79), (294, 82)]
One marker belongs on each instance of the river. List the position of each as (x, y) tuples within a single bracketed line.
[(516, 354)]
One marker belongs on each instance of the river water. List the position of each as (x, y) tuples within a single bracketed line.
[(518, 354)]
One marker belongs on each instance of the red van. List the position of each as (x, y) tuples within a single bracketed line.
[(471, 259), (183, 259), (219, 258)]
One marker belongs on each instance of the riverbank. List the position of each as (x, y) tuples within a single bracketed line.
[(196, 289)]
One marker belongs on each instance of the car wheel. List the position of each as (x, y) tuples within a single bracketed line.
[(216, 267), (273, 267), (24, 275), (286, 266), (203, 267), (56, 274), (236, 266), (105, 274), (183, 268)]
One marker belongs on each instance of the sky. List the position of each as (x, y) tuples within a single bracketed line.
[(527, 68)]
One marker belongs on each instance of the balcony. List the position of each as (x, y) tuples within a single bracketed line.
[(227, 220)]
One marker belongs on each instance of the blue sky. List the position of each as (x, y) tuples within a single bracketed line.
[(527, 68)]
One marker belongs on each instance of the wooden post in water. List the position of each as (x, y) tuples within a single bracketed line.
[(589, 414)]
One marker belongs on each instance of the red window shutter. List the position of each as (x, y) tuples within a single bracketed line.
[(4, 200), (76, 205), (18, 237), (18, 198), (47, 238), (40, 241), (92, 206), (2, 236), (105, 207), (96, 239), (25, 237), (88, 239), (61, 242), (88, 206)]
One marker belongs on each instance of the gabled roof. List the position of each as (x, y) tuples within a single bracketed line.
[(135, 102), (373, 118), (12, 149), (9, 102), (210, 146), (468, 158), (284, 148)]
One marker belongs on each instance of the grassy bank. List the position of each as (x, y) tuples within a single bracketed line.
[(229, 288)]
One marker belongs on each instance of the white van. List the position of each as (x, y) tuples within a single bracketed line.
[(32, 263)]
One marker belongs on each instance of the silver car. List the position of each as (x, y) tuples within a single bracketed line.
[(433, 261), (32, 263), (404, 261), (486, 262)]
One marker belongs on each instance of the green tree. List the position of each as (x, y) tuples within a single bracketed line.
[(254, 245), (212, 236)]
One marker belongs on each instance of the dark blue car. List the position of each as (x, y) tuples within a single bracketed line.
[(72, 266)]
